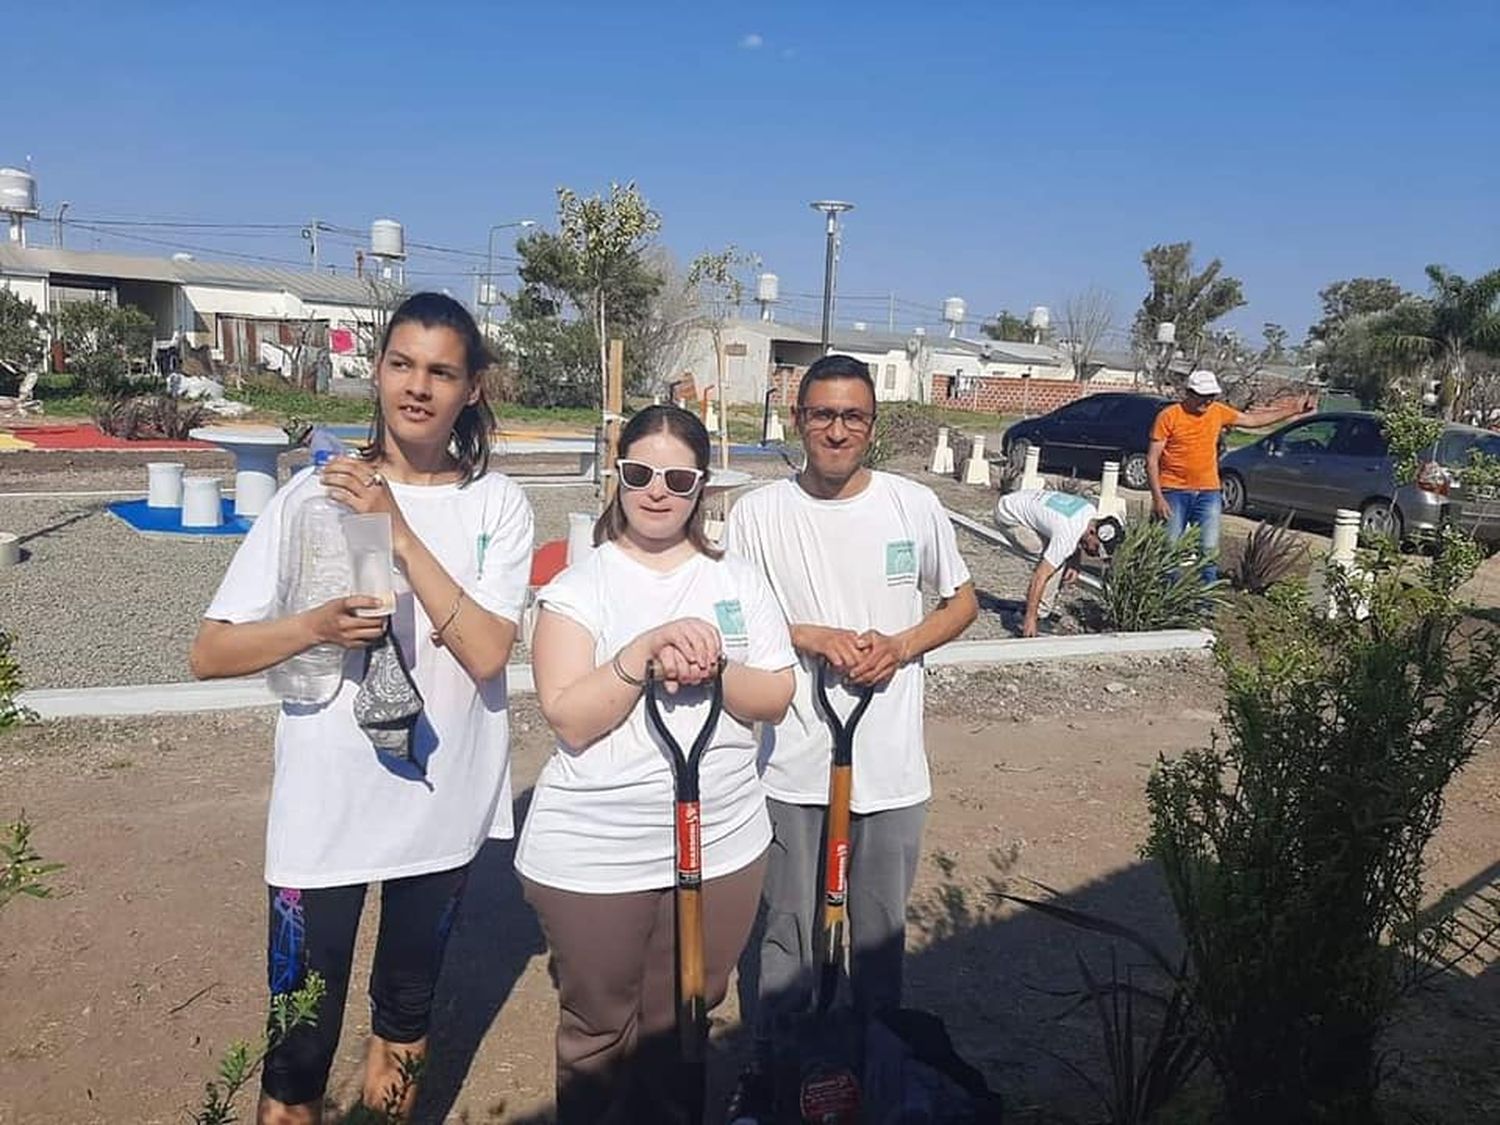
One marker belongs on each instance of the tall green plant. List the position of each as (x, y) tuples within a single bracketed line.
[(22, 870), (1293, 848), (241, 1062), (1155, 583)]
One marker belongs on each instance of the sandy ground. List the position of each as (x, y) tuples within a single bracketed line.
[(120, 992)]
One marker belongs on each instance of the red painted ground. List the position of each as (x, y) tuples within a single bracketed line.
[(82, 436)]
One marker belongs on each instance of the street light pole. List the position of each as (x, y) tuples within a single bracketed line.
[(832, 208), (487, 290)]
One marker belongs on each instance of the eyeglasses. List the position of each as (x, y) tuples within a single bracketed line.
[(821, 417), (680, 481)]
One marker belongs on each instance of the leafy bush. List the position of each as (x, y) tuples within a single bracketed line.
[(241, 1061), (22, 343), (11, 712), (104, 344), (1154, 583), (1269, 556), (1293, 849)]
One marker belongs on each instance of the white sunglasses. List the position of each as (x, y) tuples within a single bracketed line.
[(679, 480)]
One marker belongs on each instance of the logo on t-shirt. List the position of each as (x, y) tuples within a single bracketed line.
[(731, 619), (900, 562), (1066, 503), (481, 548)]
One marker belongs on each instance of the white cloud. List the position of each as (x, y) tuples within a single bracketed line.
[(752, 42)]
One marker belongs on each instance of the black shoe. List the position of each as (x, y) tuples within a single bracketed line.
[(751, 1103)]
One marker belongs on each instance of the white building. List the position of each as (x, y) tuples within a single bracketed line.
[(234, 310), (760, 355)]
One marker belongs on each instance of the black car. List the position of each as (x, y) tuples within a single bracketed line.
[(1080, 437)]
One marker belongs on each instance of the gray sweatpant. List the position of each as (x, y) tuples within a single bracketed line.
[(777, 970)]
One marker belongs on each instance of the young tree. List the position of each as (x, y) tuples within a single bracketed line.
[(1344, 344), (103, 343), (1087, 316), (1189, 298), (716, 293), (606, 237), (22, 341)]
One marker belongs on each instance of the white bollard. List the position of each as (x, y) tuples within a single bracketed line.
[(711, 420), (10, 548), (1345, 535), (774, 429), (1110, 503), (976, 468), (714, 529), (201, 502), (1031, 475), (942, 454), (164, 484), (580, 536)]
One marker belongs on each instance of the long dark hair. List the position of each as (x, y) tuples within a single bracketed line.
[(689, 430), (470, 441)]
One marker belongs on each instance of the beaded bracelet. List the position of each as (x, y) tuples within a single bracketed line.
[(437, 634)]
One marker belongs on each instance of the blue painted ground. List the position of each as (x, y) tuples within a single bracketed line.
[(168, 521)]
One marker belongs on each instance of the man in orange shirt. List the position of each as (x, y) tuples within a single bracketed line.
[(1182, 462)]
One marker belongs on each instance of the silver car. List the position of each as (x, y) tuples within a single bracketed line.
[(1317, 465)]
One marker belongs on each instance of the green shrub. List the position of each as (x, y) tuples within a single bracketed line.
[(104, 344), (1293, 848), (1154, 583), (11, 712)]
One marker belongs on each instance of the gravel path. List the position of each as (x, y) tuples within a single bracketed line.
[(95, 603)]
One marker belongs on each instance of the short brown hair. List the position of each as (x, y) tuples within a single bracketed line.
[(689, 430)]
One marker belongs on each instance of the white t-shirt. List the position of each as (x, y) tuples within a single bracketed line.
[(341, 813), (601, 817), (1058, 517), (861, 563)]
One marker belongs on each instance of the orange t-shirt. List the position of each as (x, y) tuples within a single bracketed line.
[(1190, 459)]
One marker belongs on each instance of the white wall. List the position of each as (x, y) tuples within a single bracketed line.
[(33, 289), (747, 377)]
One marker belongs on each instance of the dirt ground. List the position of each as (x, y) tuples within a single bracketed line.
[(120, 993)]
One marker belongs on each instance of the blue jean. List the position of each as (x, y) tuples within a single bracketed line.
[(1200, 508)]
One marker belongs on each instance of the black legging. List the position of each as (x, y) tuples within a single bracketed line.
[(314, 931)]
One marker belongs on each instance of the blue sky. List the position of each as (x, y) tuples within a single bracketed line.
[(1007, 153)]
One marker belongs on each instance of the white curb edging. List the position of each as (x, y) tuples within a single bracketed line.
[(230, 695)]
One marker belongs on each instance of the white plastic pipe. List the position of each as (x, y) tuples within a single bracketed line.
[(10, 548), (201, 506), (164, 484), (942, 454), (1345, 535), (1110, 503), (1031, 475)]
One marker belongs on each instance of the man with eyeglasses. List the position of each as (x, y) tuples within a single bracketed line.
[(850, 553)]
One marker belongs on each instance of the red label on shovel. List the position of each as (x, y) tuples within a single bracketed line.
[(838, 873), (689, 845), (830, 1098)]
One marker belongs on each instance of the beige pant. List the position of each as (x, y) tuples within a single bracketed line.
[(1033, 544), (615, 963)]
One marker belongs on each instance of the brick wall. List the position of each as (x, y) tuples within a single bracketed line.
[(784, 382), (994, 395)]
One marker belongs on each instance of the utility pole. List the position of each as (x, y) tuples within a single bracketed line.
[(890, 316), (57, 224), (831, 208)]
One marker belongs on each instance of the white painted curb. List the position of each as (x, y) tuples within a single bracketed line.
[(229, 695)]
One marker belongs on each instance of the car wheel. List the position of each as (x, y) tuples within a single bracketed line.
[(1018, 451), (1133, 472), (1233, 490), (1381, 517)]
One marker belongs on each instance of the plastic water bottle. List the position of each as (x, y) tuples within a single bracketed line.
[(314, 569)]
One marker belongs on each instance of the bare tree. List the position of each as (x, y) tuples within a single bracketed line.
[(661, 340), (1087, 316)]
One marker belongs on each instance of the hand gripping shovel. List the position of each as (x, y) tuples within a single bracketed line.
[(692, 1011)]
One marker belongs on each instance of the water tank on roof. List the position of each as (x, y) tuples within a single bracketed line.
[(1166, 332), (387, 239), (17, 192), (768, 288), (1039, 318), (182, 256), (953, 310)]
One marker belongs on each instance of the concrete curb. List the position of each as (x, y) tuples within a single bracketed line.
[(231, 695)]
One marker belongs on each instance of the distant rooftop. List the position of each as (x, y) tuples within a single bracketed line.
[(309, 286)]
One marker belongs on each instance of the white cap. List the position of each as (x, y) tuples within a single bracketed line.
[(1204, 382)]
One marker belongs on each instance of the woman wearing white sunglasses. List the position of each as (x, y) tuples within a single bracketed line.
[(596, 852)]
